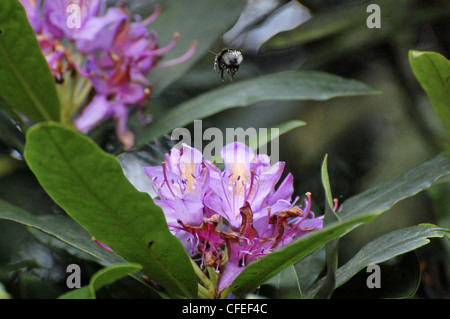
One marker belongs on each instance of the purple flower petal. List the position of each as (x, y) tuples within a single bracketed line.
[(99, 32), (95, 112), (32, 7), (56, 16)]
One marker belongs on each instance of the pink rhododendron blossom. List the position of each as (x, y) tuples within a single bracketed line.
[(106, 52), (181, 184), (32, 7), (246, 178), (57, 12), (230, 217)]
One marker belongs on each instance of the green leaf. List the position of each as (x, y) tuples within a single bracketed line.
[(78, 293), (5, 270), (441, 206), (283, 86), (10, 135), (265, 268), (384, 195), (330, 214), (343, 30), (62, 232), (90, 185), (284, 285), (357, 210), (3, 293), (100, 279), (110, 274), (331, 248), (310, 267), (202, 21), (432, 70), (26, 82), (258, 141), (323, 24), (384, 248), (62, 228), (398, 277)]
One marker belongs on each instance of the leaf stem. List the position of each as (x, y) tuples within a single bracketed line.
[(212, 277), (204, 293), (205, 281)]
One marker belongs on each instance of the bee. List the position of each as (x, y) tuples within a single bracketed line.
[(229, 60)]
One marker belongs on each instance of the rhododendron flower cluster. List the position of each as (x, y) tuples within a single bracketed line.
[(101, 62), (230, 217)]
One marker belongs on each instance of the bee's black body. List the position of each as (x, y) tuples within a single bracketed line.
[(229, 60)]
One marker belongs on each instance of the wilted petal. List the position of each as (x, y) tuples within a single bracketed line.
[(261, 218), (305, 227)]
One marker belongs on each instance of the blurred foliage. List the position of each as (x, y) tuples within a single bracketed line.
[(368, 139)]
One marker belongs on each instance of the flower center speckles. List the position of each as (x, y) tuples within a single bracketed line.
[(188, 174)]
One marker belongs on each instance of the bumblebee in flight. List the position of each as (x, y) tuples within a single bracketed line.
[(228, 60)]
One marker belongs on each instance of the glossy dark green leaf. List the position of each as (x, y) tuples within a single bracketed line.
[(358, 210), (331, 248), (348, 23), (26, 82), (265, 268), (10, 134), (432, 70), (3, 293), (90, 185), (441, 206), (332, 216), (283, 86), (110, 274), (384, 248), (5, 270), (78, 293), (258, 141), (100, 279), (310, 267), (324, 24), (384, 195), (62, 232), (284, 285), (62, 228), (343, 30), (398, 277)]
